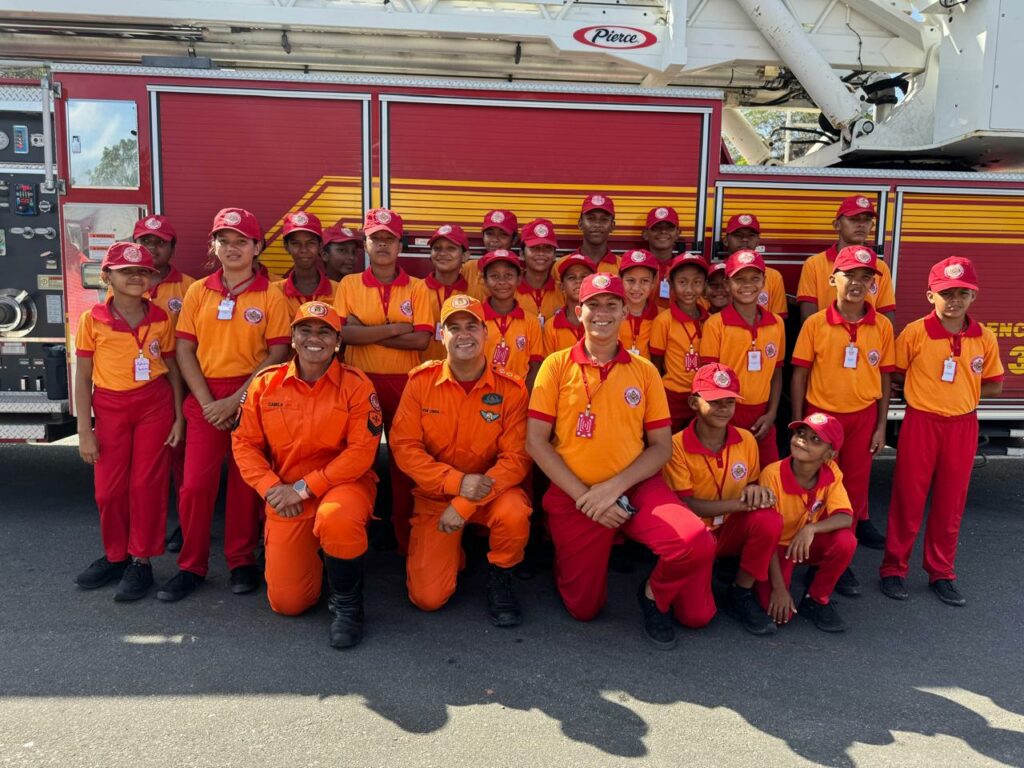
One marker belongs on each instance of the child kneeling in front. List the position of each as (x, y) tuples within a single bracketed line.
[(816, 523)]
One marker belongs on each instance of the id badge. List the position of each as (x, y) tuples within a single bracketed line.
[(691, 360), (437, 332), (754, 360), (141, 368), (718, 519), (540, 320), (850, 358), (585, 425), (634, 350), (501, 354), (949, 370), (225, 309), (664, 289)]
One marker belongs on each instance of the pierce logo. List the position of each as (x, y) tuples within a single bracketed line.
[(132, 254), (632, 396), (953, 271), (253, 315), (317, 308), (615, 37), (232, 218), (301, 219), (152, 223)]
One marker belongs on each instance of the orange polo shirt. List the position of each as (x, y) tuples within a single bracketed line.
[(608, 264), (728, 339), (922, 350), (626, 398), (814, 287), (442, 432), (799, 506), (773, 297), (375, 303), (325, 433), (540, 303), (559, 333), (823, 345), (114, 346), (324, 291), (169, 293), (676, 336), (475, 285), (522, 338), (235, 347), (635, 331), (696, 471), (432, 294)]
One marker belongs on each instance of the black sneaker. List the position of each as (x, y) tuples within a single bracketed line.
[(245, 579), (182, 584), (848, 586), (657, 625), (502, 606), (894, 587), (825, 617), (946, 591), (100, 573), (869, 536), (619, 560), (745, 607), (175, 540), (135, 584)]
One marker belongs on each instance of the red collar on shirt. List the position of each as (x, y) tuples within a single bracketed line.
[(323, 288), (103, 313), (561, 320), (834, 318), (650, 311), (681, 317), (173, 276), (435, 285), (731, 317), (524, 288), (831, 252), (578, 354), (936, 330), (215, 282), (490, 314), (791, 486), (692, 443), (370, 280)]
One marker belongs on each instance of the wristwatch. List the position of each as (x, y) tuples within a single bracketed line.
[(302, 489)]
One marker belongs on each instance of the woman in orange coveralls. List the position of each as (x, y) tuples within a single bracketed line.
[(306, 443)]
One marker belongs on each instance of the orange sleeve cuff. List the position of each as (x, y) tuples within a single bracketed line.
[(464, 507), (453, 483), (317, 483), (799, 361), (267, 482)]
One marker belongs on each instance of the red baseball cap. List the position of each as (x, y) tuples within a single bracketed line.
[(954, 272), (382, 220), (639, 257), (460, 302), (600, 283), (688, 259), (715, 381), (154, 225), (663, 213), (743, 259), (714, 269), (493, 257), (856, 257), (824, 426), (340, 234), (452, 232), (504, 220), (539, 232), (598, 203), (573, 259), (743, 221), (126, 256), (856, 205), (239, 220), (302, 222), (317, 310)]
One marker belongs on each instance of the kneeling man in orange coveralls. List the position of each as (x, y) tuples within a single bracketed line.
[(306, 441), (460, 434)]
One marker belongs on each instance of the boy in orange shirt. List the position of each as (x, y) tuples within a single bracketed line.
[(947, 363), (751, 341), (537, 293), (816, 523), (565, 328), (717, 292), (639, 271), (743, 233), (661, 233), (514, 341), (449, 248), (841, 366), (596, 223), (305, 281), (676, 334), (714, 469), (499, 232)]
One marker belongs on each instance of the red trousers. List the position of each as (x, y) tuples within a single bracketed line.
[(753, 536), (855, 458), (389, 388), (681, 580), (679, 409), (205, 450), (767, 446), (831, 552), (935, 453), (335, 522), (131, 428)]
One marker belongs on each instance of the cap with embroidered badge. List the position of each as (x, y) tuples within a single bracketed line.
[(825, 426), (598, 203), (715, 381), (660, 214), (601, 283), (154, 225), (382, 220), (502, 219), (300, 221), (317, 310), (127, 256), (743, 259), (451, 232), (855, 205), (954, 272), (460, 302), (743, 221), (238, 219), (539, 232)]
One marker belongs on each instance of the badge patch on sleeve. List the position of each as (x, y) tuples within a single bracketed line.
[(490, 416), (375, 423), (492, 398)]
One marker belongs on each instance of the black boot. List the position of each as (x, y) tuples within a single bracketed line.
[(502, 606), (346, 602)]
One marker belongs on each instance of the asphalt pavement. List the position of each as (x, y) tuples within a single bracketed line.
[(218, 680)]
